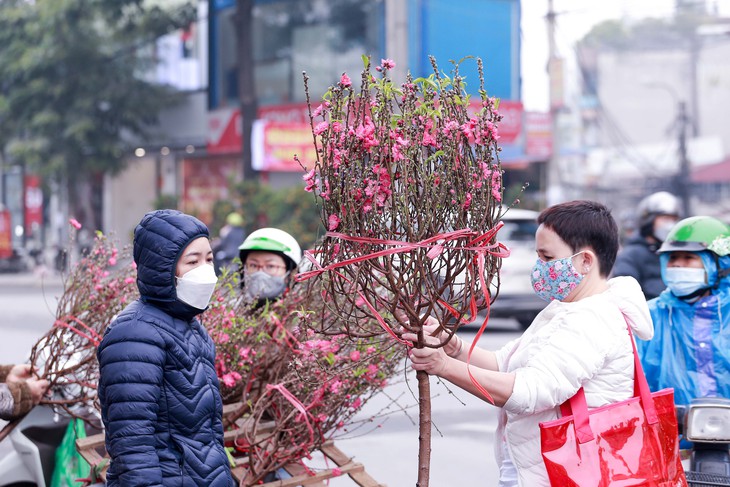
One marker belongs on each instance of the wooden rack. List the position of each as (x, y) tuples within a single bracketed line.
[(92, 449)]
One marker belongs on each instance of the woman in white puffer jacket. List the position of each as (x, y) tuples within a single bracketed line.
[(579, 339)]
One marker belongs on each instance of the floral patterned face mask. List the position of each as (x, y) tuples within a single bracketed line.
[(555, 279)]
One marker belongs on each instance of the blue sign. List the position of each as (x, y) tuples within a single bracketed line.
[(222, 4), (449, 30)]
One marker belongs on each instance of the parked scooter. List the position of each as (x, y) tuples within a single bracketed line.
[(28, 453), (706, 423), (31, 448)]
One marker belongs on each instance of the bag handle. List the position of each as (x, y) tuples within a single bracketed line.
[(577, 407)]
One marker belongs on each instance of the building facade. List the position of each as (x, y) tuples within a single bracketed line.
[(200, 143), (653, 116)]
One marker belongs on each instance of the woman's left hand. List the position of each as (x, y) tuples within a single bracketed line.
[(433, 361)]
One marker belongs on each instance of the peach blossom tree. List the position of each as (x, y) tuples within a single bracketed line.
[(409, 184)]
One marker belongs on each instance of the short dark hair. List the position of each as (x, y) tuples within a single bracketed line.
[(584, 223)]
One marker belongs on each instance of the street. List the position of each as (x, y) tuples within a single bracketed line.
[(386, 444)]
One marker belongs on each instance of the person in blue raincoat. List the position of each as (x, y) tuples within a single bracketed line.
[(690, 350), (158, 388)]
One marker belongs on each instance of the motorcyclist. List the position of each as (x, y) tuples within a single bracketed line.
[(268, 257), (657, 214), (690, 350)]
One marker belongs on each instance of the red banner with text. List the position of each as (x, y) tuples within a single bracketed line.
[(6, 235), (282, 131)]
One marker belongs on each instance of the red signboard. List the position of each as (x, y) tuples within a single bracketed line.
[(224, 131), (510, 128), (33, 205), (287, 132), (224, 125), (206, 181), (539, 135), (6, 235), (275, 145)]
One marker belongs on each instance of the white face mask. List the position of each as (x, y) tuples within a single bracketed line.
[(662, 231), (683, 281), (196, 286)]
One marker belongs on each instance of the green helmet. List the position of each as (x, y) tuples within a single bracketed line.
[(234, 219), (272, 240), (698, 233)]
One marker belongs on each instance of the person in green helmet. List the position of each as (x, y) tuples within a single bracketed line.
[(269, 257), (690, 350)]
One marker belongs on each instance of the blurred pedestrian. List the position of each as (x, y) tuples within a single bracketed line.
[(578, 340), (158, 389), (657, 214), (690, 351), (19, 391), (231, 235)]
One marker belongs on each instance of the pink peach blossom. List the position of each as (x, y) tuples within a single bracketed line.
[(387, 63), (345, 81), (333, 222)]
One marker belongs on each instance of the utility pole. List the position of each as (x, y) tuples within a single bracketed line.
[(554, 190), (246, 85), (683, 178)]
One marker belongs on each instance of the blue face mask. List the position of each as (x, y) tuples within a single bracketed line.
[(555, 279), (683, 281)]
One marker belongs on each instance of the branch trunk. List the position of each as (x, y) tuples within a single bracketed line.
[(8, 428), (424, 429)]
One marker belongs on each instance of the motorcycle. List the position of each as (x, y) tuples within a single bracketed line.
[(28, 453), (705, 422)]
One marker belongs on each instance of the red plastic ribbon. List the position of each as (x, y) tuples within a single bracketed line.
[(93, 336), (297, 405), (478, 245)]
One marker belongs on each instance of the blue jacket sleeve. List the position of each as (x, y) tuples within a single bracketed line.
[(131, 361)]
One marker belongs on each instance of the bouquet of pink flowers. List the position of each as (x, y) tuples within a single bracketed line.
[(97, 287), (298, 388)]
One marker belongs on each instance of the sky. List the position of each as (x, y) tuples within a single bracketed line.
[(575, 18)]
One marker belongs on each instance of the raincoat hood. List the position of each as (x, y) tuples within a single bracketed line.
[(159, 240), (625, 292), (717, 268)]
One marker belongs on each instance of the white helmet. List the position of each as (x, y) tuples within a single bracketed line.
[(654, 205), (272, 240)]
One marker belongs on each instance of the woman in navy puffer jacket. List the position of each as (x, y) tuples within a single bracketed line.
[(159, 393)]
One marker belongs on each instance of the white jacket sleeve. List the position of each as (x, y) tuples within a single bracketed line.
[(573, 349)]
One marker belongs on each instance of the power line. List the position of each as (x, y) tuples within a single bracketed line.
[(625, 146)]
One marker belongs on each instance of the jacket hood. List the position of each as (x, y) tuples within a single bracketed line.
[(159, 240), (626, 293)]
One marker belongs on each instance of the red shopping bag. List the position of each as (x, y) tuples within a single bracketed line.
[(629, 443)]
